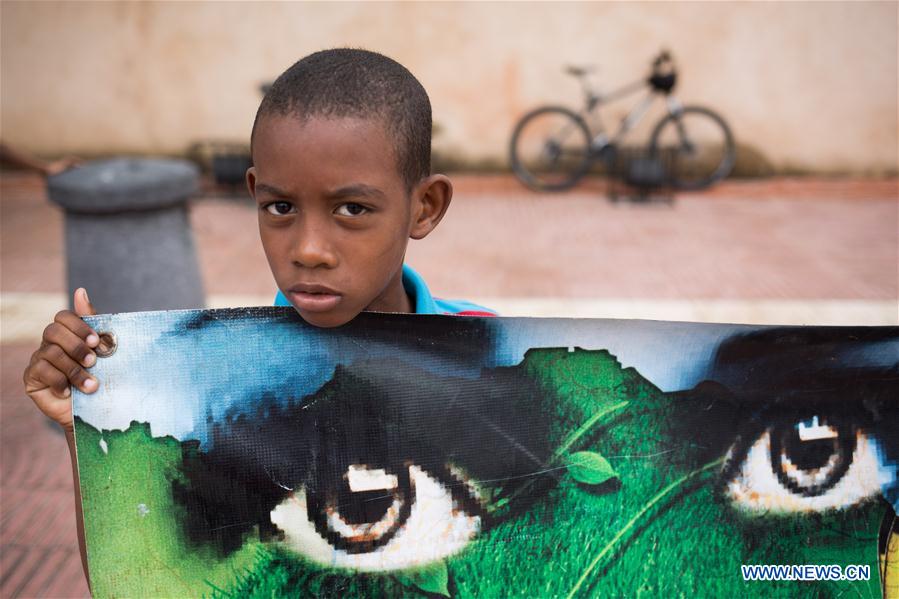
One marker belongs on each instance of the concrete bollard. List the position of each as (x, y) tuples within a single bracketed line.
[(128, 236)]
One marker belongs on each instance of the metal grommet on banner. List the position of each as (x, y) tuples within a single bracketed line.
[(107, 346)]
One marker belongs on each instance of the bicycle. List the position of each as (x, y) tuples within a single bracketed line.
[(553, 147)]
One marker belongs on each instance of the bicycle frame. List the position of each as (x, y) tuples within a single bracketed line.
[(590, 113)]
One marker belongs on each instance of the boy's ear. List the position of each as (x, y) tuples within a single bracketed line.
[(430, 200), (251, 181)]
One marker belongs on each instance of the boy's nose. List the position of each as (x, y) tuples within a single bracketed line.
[(313, 249)]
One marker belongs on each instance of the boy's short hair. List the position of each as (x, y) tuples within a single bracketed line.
[(346, 82)]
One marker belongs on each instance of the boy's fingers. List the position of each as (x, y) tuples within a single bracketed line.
[(73, 371), (71, 344), (44, 375), (73, 322), (82, 303)]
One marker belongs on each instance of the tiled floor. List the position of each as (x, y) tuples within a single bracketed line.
[(776, 241)]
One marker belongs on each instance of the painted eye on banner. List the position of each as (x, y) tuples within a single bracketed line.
[(375, 519), (807, 465)]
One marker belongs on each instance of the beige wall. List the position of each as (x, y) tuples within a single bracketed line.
[(812, 85)]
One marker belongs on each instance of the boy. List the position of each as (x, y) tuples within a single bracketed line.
[(341, 150)]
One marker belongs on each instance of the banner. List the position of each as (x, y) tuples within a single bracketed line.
[(243, 453)]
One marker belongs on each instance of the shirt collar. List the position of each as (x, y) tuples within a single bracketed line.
[(417, 289)]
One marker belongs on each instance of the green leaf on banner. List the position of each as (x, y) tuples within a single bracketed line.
[(590, 468), (431, 579)]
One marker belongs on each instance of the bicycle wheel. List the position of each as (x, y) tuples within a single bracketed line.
[(550, 149), (697, 146)]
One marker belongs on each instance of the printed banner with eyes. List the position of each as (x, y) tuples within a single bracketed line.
[(243, 453)]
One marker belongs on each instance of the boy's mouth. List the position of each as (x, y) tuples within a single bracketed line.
[(313, 298)]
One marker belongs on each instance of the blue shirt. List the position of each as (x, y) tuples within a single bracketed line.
[(422, 299)]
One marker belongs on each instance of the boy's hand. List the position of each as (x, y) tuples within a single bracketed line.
[(66, 350)]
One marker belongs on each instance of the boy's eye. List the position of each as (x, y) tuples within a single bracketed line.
[(351, 209), (809, 465), (374, 519), (279, 208)]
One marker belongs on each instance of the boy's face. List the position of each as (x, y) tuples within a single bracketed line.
[(334, 215)]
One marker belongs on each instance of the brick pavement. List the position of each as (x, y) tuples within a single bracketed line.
[(795, 239), (773, 240), (39, 556)]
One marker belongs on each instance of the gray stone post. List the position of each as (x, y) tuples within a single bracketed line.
[(128, 236)]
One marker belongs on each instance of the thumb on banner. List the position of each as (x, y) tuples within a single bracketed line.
[(82, 303)]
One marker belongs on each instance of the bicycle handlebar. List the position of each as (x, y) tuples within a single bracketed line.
[(663, 57), (662, 78)]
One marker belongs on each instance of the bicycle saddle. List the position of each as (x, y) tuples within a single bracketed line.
[(579, 71)]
